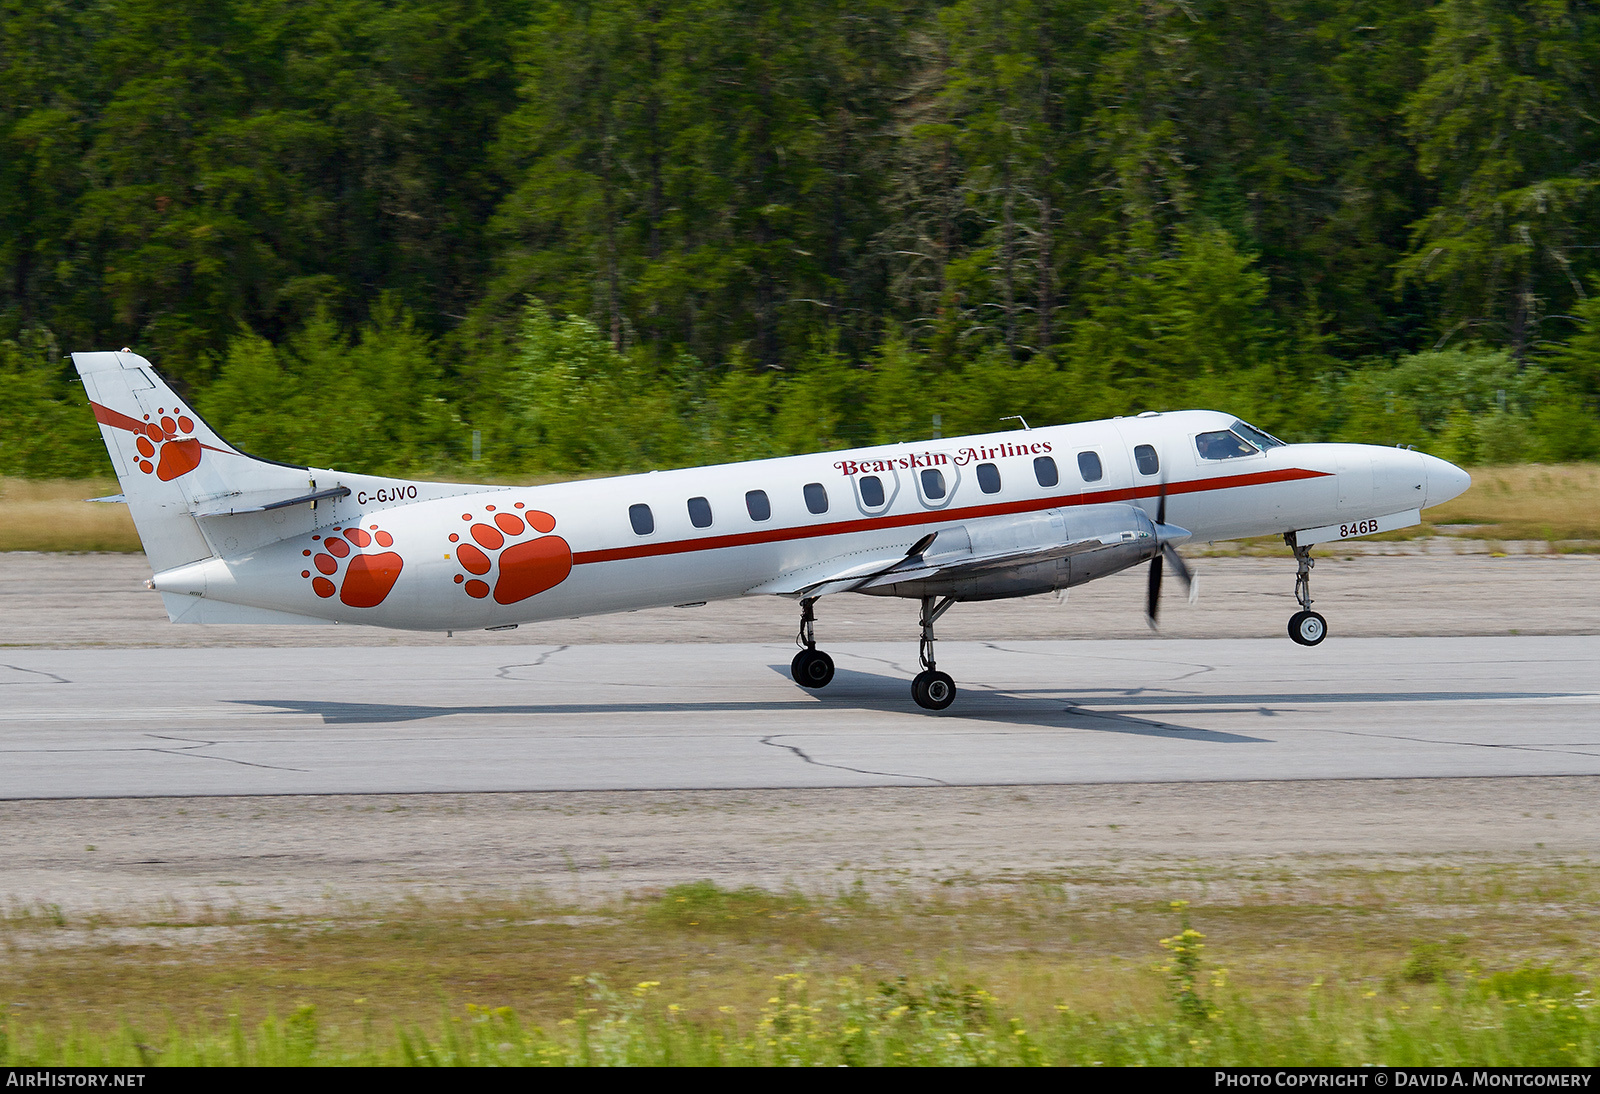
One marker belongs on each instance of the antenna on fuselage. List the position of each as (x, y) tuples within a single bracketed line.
[(1016, 418)]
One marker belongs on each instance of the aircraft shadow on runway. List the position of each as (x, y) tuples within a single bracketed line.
[(1143, 710), (334, 713)]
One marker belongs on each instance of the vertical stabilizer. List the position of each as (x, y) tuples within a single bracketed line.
[(167, 460)]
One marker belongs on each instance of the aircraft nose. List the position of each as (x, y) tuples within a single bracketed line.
[(1445, 481)]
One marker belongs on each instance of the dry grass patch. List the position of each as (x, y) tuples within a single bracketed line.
[(1526, 501), (54, 515)]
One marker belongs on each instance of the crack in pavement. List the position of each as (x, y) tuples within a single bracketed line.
[(189, 753), (798, 751), (504, 671), (1571, 750)]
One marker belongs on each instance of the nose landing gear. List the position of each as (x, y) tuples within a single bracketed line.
[(811, 668), (1305, 626), (932, 689)]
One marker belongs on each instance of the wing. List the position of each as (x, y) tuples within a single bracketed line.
[(994, 557)]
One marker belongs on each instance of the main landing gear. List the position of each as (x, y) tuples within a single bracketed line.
[(932, 689), (811, 668), (1305, 626)]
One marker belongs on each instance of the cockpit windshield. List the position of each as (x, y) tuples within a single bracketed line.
[(1229, 444), (1260, 439)]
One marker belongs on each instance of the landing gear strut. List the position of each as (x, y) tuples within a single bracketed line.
[(811, 668), (1305, 626), (932, 689)]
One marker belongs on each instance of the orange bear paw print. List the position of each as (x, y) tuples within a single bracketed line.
[(367, 577), (521, 567), (164, 447)]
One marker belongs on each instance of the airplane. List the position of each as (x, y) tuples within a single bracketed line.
[(232, 538)]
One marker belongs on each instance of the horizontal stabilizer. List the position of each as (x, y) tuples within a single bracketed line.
[(239, 504)]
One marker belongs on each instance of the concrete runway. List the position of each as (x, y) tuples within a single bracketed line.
[(370, 720), (1255, 754)]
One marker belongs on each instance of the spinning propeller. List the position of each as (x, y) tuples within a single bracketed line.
[(1166, 536)]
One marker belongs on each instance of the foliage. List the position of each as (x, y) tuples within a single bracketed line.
[(44, 417), (374, 402), (805, 225), (1184, 970)]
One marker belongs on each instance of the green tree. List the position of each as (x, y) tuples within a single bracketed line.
[(1504, 124), (374, 403), (49, 430)]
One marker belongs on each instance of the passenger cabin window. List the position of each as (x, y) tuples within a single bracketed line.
[(1145, 457), (816, 498), (643, 521), (756, 501), (1044, 469), (1222, 445), (988, 478), (700, 512), (932, 484), (1089, 466), (872, 491)]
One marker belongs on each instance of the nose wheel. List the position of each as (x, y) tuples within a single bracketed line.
[(1305, 626), (930, 688), (811, 668)]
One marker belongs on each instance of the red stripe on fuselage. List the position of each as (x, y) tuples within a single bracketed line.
[(971, 512)]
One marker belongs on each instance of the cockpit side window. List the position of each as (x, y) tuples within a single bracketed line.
[(1222, 445)]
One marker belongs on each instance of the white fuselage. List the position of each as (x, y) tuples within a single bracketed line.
[(706, 535)]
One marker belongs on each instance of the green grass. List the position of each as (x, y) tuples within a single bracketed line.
[(1299, 963)]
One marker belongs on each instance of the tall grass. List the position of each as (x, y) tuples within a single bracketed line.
[(1320, 968), (850, 1021), (1528, 501), (54, 515)]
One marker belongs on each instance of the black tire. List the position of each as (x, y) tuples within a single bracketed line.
[(811, 668), (1307, 628), (933, 690)]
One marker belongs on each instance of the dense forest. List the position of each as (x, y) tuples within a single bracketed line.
[(618, 235)]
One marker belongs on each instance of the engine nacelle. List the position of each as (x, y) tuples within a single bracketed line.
[(994, 557)]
